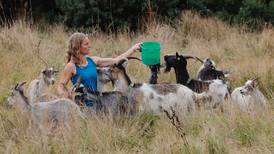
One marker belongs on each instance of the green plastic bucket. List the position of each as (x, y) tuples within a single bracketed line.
[(150, 53)]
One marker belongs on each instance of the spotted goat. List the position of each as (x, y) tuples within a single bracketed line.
[(154, 97)]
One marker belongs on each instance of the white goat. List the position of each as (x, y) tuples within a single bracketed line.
[(59, 110), (248, 97), (218, 91), (39, 86)]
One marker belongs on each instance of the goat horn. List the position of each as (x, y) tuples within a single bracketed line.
[(37, 50), (16, 86), (21, 84), (194, 57), (134, 58)]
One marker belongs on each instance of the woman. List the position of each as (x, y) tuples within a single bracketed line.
[(80, 64)]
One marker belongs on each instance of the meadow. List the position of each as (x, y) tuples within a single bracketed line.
[(245, 54)]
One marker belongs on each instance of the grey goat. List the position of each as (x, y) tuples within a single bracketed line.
[(59, 110), (38, 87), (112, 103)]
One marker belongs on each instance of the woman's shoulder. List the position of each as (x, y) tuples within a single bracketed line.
[(70, 67), (94, 58)]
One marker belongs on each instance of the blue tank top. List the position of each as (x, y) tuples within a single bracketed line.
[(88, 75)]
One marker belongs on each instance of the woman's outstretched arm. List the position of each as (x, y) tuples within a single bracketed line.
[(101, 62)]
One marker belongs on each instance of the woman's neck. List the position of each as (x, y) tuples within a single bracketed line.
[(82, 60)]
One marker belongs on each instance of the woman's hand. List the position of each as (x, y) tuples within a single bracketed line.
[(136, 47)]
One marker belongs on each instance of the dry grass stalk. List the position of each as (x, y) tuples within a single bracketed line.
[(174, 119)]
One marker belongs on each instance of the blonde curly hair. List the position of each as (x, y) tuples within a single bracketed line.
[(75, 41)]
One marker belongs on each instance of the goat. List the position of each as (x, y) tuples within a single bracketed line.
[(179, 63), (208, 71), (248, 96), (219, 92), (112, 103), (104, 74), (58, 110), (155, 96), (217, 89), (37, 87)]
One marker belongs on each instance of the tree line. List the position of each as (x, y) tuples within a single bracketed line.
[(112, 15)]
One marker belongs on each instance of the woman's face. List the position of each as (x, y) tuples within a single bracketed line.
[(85, 45)]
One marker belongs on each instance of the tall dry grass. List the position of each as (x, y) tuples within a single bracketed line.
[(244, 53)]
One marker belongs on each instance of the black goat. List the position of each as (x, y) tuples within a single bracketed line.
[(208, 71), (179, 64)]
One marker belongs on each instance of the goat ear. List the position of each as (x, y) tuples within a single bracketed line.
[(122, 62), (226, 73), (254, 82), (55, 71), (44, 70), (178, 57)]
